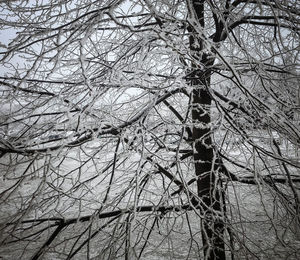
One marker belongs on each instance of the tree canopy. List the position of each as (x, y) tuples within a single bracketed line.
[(149, 129)]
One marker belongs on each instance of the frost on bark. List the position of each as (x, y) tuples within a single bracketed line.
[(208, 185)]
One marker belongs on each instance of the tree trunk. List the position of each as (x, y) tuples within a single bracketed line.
[(207, 184), (209, 190)]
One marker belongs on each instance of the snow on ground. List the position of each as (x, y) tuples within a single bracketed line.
[(261, 225)]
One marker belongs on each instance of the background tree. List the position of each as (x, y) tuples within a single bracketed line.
[(143, 129)]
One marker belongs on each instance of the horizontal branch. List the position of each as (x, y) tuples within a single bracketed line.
[(272, 4), (261, 21), (109, 214)]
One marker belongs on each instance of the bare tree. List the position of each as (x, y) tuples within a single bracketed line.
[(150, 129)]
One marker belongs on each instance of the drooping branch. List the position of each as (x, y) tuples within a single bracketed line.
[(88, 135)]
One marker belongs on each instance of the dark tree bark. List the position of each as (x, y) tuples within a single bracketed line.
[(204, 155)]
